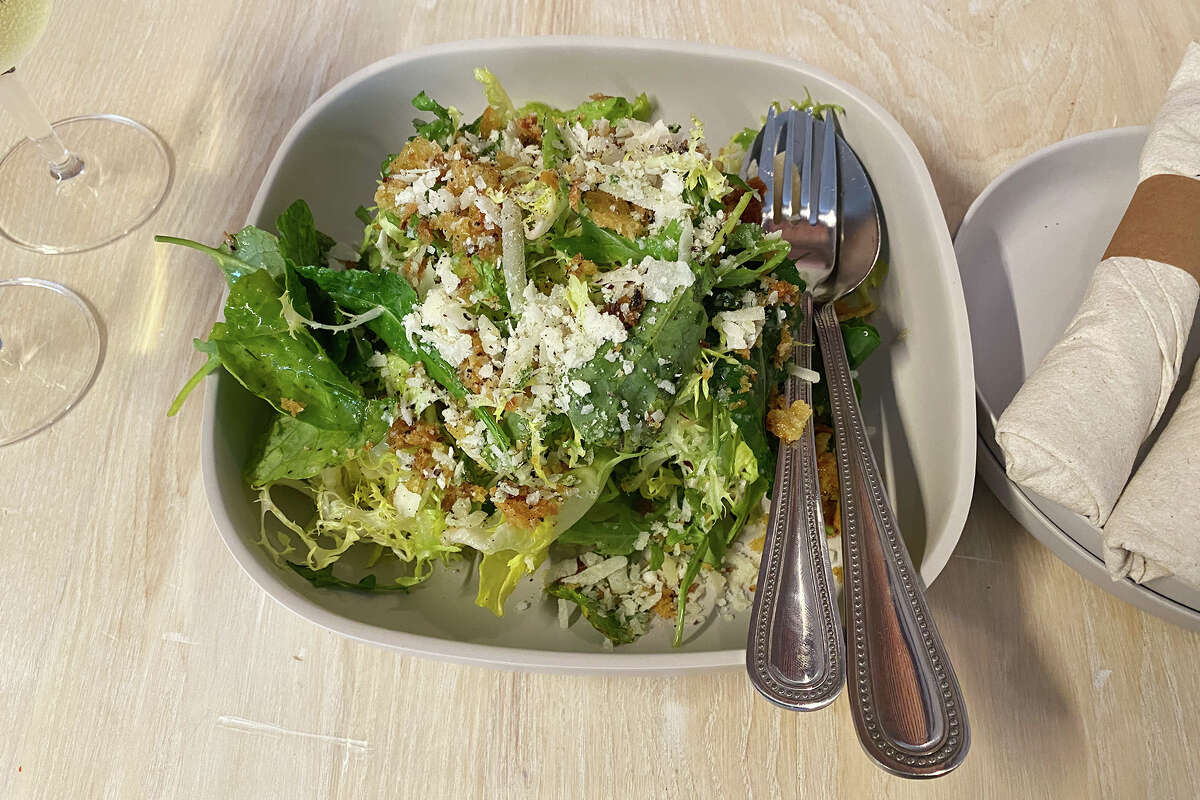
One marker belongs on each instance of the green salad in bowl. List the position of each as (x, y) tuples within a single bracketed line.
[(559, 344)]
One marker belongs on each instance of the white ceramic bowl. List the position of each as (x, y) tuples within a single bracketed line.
[(1027, 249), (919, 388)]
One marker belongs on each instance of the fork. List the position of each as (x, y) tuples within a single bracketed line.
[(795, 653), (905, 700)]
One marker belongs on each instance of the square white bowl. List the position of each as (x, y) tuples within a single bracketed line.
[(919, 388)]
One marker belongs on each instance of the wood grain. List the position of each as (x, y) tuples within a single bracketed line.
[(136, 661)]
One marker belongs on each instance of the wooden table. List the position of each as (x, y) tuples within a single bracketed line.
[(136, 661)]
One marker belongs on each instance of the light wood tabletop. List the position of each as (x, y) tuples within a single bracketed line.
[(136, 659)]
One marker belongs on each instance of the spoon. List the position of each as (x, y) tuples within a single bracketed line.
[(907, 706)]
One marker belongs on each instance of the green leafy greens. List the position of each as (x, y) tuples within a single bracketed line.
[(555, 351)]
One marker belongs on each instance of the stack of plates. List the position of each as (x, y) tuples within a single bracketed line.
[(1026, 250)]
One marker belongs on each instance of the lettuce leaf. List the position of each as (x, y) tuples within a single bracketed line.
[(510, 552), (613, 109), (354, 505), (500, 571), (497, 98)]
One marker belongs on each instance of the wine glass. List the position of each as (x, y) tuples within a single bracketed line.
[(60, 199), (49, 354)]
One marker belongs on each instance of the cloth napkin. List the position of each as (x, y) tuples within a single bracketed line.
[(1073, 431), (1155, 528)]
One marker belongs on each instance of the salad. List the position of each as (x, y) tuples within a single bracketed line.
[(560, 342)]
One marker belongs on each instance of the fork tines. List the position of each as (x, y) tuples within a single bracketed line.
[(808, 146)]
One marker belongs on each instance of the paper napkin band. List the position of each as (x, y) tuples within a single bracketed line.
[(1162, 223)]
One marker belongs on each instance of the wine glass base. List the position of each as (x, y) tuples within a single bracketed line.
[(126, 173), (49, 353)]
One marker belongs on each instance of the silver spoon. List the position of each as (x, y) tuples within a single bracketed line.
[(907, 706)]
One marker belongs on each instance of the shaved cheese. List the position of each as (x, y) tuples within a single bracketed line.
[(443, 322), (512, 243), (658, 279), (740, 328)]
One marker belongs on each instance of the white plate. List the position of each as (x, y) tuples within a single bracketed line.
[(1026, 249), (919, 389)]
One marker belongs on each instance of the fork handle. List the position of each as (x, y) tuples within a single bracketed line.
[(907, 706), (795, 653)]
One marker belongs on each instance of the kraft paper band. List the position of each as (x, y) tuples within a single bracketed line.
[(1162, 223)]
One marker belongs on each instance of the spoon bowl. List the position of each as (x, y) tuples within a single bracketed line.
[(861, 229)]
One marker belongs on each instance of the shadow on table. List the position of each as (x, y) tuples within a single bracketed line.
[(1019, 706)]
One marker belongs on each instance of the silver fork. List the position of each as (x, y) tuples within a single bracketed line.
[(795, 653)]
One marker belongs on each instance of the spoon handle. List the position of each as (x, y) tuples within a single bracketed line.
[(905, 700), (795, 653)]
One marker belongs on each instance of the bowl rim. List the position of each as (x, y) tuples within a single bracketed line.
[(499, 656)]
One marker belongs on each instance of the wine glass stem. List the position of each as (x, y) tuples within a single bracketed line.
[(63, 164)]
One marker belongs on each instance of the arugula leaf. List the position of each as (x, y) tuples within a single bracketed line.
[(299, 240), (605, 247), (554, 149), (358, 291), (656, 556), (384, 167), (685, 583), (751, 255), (661, 347), (232, 265), (258, 248), (210, 366), (599, 245), (744, 138), (742, 390), (295, 450), (609, 528), (603, 621), (491, 280), (861, 338), (663, 245), (352, 351), (281, 366), (324, 578), (248, 250)]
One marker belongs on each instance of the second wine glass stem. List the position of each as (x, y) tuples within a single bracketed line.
[(63, 164)]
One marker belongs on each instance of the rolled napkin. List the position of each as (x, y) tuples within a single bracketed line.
[(1073, 431), (1155, 528)]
